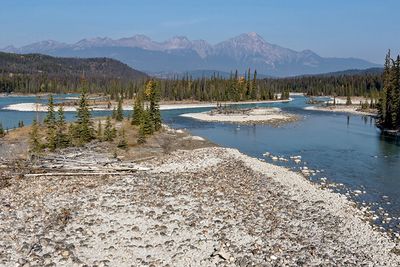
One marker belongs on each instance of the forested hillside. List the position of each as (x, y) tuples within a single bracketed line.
[(353, 82), (32, 73)]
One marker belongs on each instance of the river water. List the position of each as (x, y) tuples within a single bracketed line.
[(345, 149)]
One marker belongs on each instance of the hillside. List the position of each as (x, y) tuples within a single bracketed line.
[(37, 64)]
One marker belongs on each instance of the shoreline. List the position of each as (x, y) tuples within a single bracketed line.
[(32, 107)]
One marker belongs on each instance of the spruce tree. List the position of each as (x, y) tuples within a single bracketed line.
[(137, 110), (142, 135), (254, 93), (50, 122), (119, 116), (248, 85), (108, 131), (35, 144), (154, 109), (83, 125), (147, 123), (62, 139), (122, 143)]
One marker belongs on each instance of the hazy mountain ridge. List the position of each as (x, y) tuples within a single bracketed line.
[(179, 54)]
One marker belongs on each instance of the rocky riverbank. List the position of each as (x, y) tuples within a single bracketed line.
[(206, 206)]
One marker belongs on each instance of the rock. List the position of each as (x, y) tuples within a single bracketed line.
[(65, 253), (222, 253)]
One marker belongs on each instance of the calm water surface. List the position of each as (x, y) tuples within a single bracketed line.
[(346, 149)]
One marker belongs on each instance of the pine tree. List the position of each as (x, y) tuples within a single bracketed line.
[(122, 143), (108, 131), (154, 109), (147, 123), (137, 110), (50, 122), (62, 139), (248, 85), (254, 93), (119, 116), (142, 135), (35, 145), (83, 125)]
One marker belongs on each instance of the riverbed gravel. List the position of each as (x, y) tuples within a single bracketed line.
[(204, 207)]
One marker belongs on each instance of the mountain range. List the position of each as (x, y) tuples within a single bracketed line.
[(180, 55)]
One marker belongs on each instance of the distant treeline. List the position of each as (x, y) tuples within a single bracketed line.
[(360, 84)]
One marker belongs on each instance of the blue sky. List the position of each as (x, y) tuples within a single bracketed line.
[(331, 28)]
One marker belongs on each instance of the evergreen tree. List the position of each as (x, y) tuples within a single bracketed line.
[(62, 139), (122, 143), (50, 122), (119, 116), (83, 125), (248, 85), (147, 123), (254, 93), (154, 109), (35, 144), (142, 135), (108, 131), (137, 110), (50, 119)]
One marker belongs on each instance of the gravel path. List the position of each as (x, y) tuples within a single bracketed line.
[(204, 207)]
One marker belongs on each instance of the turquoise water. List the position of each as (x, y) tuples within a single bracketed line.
[(346, 149)]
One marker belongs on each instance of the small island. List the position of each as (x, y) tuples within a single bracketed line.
[(265, 115)]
